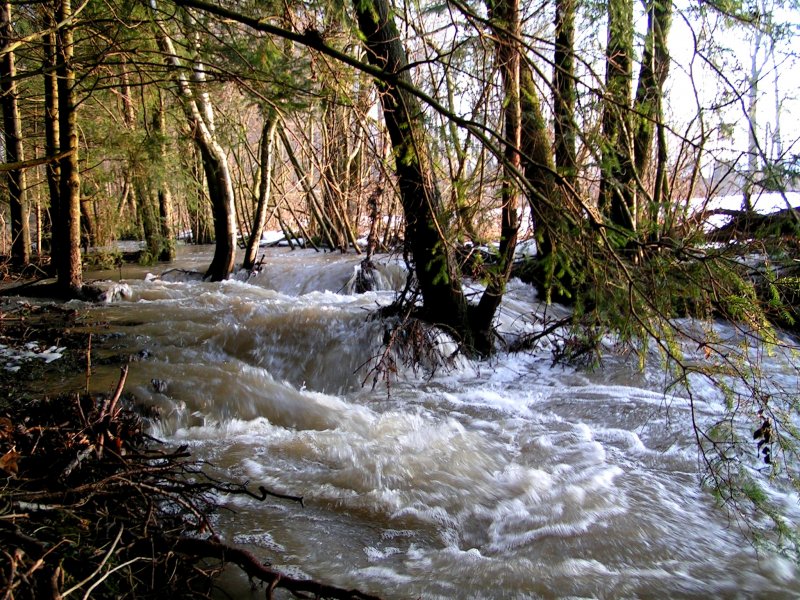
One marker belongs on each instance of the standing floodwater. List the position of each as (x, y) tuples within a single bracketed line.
[(510, 478)]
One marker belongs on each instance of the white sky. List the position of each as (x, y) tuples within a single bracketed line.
[(688, 68)]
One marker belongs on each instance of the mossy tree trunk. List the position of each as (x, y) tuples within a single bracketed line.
[(617, 198), (564, 96), (426, 231), (647, 106), (505, 22), (165, 203), (546, 196)]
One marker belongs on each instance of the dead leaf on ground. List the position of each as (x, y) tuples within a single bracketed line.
[(8, 462)]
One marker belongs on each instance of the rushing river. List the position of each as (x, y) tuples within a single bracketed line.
[(511, 478)]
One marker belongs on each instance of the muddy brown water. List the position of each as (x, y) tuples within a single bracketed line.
[(511, 478)]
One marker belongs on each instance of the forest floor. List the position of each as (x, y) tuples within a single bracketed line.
[(42, 348)]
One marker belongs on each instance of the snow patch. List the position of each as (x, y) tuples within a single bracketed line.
[(13, 359)]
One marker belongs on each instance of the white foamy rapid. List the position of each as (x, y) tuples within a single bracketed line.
[(505, 479)]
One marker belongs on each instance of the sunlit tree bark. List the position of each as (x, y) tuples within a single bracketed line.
[(136, 176), (266, 158), (199, 113), (52, 136), (68, 220)]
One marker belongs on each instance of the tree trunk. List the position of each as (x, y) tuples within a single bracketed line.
[(198, 206), (564, 131), (504, 19), (17, 192), (136, 181), (313, 202), (199, 114), (647, 107), (164, 194), (52, 136), (617, 197), (220, 189), (70, 277), (426, 232), (334, 151), (147, 205), (267, 158), (547, 197), (753, 149), (652, 75)]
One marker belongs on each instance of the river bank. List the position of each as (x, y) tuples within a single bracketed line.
[(71, 463)]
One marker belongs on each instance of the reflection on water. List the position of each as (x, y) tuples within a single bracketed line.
[(506, 479)]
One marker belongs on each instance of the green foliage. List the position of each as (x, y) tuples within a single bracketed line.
[(148, 258), (281, 75), (103, 259), (741, 489), (642, 301), (438, 267)]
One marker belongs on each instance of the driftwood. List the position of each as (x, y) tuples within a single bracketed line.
[(256, 569)]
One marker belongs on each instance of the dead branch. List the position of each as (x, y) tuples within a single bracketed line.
[(255, 569)]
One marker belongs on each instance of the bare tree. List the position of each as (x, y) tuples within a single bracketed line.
[(200, 116)]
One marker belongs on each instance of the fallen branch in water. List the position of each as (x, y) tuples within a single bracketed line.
[(255, 569)]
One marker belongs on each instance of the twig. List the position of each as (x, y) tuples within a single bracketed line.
[(82, 455), (265, 492), (109, 572), (88, 363), (109, 406), (99, 567)]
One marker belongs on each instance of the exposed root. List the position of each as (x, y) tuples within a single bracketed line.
[(409, 342)]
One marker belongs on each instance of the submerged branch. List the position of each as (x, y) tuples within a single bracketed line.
[(256, 569)]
